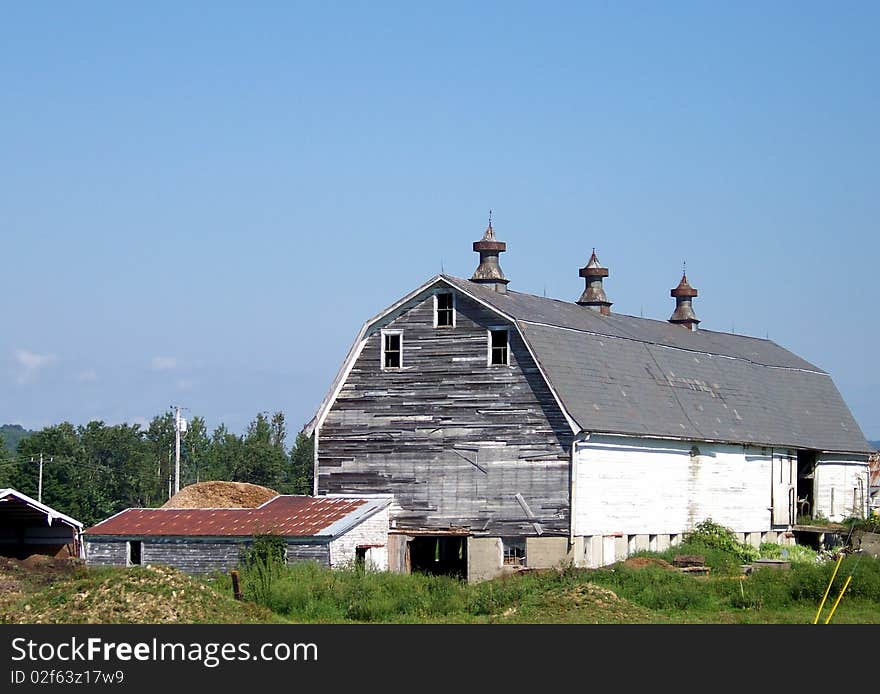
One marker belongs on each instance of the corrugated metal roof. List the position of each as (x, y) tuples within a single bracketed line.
[(622, 374), (288, 516)]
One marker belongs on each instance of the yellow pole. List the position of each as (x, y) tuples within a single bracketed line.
[(834, 607), (827, 590)]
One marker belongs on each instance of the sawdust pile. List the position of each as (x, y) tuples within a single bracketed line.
[(137, 595), (221, 495)]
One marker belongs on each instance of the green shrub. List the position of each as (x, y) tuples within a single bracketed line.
[(712, 535), (261, 565)]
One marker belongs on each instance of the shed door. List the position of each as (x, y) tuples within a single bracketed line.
[(784, 479)]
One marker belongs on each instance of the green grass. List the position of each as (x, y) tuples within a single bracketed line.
[(627, 592), (617, 594)]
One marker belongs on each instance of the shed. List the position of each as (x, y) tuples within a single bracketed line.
[(334, 531), (28, 527)]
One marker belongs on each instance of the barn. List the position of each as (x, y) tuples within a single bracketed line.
[(516, 430), (29, 527), (333, 531)]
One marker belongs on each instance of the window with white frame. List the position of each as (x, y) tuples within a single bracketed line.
[(499, 353), (392, 349), (444, 310)]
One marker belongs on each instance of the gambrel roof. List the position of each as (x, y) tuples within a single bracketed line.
[(620, 374)]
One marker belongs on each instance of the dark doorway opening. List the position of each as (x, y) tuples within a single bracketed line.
[(360, 558), (806, 471), (134, 553), (439, 555)]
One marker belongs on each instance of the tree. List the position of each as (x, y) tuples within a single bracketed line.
[(302, 465), (160, 449), (7, 465), (264, 456), (226, 455), (195, 453)]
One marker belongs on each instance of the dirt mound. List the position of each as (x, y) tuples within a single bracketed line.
[(642, 562), (136, 595), (221, 495)]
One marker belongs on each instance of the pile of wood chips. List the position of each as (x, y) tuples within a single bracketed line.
[(221, 495)]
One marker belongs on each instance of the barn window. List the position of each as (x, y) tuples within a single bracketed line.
[(514, 551), (392, 349), (444, 310), (134, 552), (498, 350)]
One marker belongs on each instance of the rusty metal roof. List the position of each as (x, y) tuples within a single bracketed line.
[(288, 516)]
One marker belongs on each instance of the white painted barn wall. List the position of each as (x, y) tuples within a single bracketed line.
[(835, 479), (372, 531), (645, 486)]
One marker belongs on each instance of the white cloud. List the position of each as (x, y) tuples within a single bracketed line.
[(31, 364), (87, 376), (163, 363)]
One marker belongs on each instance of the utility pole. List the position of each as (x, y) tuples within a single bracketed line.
[(176, 448), (40, 477), (179, 426)]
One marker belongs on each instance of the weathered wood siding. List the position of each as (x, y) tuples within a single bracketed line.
[(640, 486), (840, 487), (372, 533), (453, 439), (195, 556), (106, 553), (315, 551)]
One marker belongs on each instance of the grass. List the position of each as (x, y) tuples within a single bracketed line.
[(622, 593), (638, 591)]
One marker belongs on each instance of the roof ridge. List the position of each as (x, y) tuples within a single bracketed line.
[(641, 340), (616, 314)]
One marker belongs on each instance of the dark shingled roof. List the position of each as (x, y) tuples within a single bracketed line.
[(289, 516), (627, 375)]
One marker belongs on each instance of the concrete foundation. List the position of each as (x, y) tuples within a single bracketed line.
[(485, 558), (547, 552)]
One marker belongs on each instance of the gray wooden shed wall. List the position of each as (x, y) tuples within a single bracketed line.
[(194, 556), (454, 439)]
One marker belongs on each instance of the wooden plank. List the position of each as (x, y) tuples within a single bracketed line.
[(411, 432)]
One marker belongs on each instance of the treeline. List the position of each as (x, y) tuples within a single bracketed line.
[(95, 470)]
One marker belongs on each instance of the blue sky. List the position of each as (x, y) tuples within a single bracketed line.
[(200, 203)]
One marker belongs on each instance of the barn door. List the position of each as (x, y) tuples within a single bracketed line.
[(784, 506)]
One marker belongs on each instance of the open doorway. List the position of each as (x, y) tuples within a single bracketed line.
[(439, 555), (134, 552), (806, 473)]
